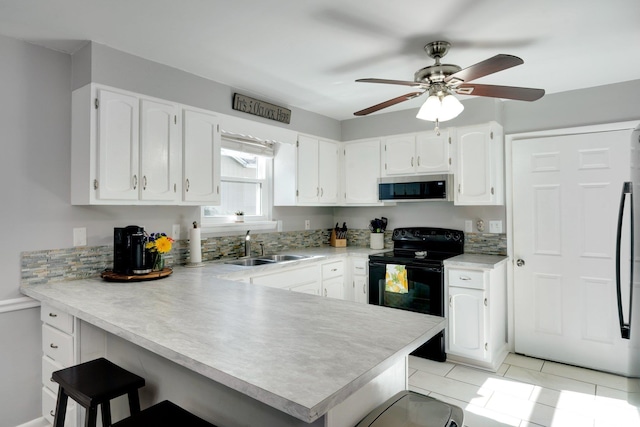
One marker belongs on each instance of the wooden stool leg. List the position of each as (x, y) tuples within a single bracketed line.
[(105, 408), (134, 402), (61, 408), (91, 416)]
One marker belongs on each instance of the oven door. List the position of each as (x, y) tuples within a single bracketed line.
[(425, 288)]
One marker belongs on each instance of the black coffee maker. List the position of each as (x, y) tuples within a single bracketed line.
[(129, 253)]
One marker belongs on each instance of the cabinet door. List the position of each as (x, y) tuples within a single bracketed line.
[(160, 151), (479, 166), (308, 190), (361, 289), (118, 146), (361, 172), (467, 322), (201, 158), (311, 288), (433, 152), (328, 171), (333, 288), (399, 155)]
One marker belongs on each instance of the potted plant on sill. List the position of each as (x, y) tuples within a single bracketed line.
[(239, 216)]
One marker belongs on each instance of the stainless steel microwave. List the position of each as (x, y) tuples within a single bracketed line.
[(416, 188)]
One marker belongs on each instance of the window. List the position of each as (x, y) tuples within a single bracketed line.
[(245, 182)]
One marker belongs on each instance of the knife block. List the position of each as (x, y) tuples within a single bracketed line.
[(337, 243)]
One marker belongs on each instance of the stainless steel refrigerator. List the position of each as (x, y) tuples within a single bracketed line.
[(628, 258)]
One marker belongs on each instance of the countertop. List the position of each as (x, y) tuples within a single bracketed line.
[(301, 354), (475, 261)]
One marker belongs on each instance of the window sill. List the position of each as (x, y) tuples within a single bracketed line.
[(238, 226)]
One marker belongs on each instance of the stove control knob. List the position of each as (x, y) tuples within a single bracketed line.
[(447, 235), (396, 233)]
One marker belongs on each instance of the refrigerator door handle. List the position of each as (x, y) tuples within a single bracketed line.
[(627, 190)]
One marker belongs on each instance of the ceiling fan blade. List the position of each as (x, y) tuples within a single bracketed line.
[(394, 82), (484, 68), (388, 103), (506, 92)]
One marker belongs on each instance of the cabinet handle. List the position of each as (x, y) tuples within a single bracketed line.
[(144, 182), (492, 191), (459, 188), (135, 181), (412, 161), (321, 191), (53, 414), (334, 269), (187, 182), (95, 184), (53, 315), (418, 160), (486, 302), (325, 292), (465, 278), (450, 301), (486, 346), (364, 288), (52, 345), (52, 380), (175, 187), (359, 268), (217, 189)]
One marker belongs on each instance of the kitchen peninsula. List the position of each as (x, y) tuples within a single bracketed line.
[(239, 354)]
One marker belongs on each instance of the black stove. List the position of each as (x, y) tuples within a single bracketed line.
[(420, 252)]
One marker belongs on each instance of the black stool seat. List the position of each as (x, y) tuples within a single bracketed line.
[(95, 383), (163, 414)]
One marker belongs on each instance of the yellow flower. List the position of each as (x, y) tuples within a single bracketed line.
[(163, 244), (150, 245)]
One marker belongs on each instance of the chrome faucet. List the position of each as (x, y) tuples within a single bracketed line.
[(247, 244)]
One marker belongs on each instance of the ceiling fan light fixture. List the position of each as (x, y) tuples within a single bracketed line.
[(440, 108)]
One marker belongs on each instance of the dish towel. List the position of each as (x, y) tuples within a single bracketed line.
[(396, 279)]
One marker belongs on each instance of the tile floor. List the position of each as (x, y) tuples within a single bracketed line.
[(528, 392)]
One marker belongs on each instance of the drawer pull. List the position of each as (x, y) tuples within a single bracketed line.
[(52, 345), (465, 278), (334, 269), (359, 268), (53, 315), (364, 288), (325, 292), (485, 302), (53, 414)]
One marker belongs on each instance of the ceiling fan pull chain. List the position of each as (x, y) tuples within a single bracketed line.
[(437, 129)]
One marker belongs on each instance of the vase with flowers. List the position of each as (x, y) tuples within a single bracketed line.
[(157, 245)]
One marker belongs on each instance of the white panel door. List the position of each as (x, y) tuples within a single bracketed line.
[(432, 152), (308, 190), (467, 322), (160, 151), (118, 146), (361, 171), (399, 155), (328, 171), (201, 158), (473, 177), (566, 192)]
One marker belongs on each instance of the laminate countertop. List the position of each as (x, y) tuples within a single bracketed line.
[(301, 354)]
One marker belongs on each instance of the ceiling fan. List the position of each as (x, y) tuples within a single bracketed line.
[(441, 80)]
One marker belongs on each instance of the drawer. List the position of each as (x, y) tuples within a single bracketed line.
[(57, 345), (474, 279), (56, 318), (49, 408), (333, 269), (360, 266), (49, 366)]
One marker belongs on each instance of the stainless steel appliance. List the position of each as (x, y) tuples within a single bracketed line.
[(421, 251), (416, 188), (129, 252), (627, 251)]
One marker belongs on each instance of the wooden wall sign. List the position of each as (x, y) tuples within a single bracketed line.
[(261, 108)]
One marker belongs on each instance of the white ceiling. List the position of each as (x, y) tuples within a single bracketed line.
[(307, 53)]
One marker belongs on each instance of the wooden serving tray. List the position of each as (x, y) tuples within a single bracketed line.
[(111, 276)]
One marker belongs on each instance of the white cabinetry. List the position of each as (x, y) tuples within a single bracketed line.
[(360, 280), (304, 278), (477, 323), (201, 153), (423, 153), (59, 352), (361, 172), (333, 279), (479, 174), (317, 166)]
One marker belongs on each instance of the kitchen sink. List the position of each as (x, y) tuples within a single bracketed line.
[(250, 261), (280, 258), (266, 259)]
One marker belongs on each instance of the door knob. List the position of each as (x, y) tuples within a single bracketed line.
[(520, 262)]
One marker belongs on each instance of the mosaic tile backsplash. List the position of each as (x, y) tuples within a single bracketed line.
[(84, 262)]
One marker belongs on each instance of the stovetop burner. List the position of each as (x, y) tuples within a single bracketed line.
[(423, 245)]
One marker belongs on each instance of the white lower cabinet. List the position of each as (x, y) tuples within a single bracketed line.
[(359, 280), (304, 279), (333, 279), (59, 352), (477, 322)]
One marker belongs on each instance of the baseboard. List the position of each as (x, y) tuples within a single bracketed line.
[(38, 422), (16, 304)]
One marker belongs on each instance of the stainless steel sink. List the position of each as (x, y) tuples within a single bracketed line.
[(266, 259), (280, 258), (250, 261)]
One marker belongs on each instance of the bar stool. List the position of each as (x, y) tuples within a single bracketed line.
[(163, 414), (95, 383)]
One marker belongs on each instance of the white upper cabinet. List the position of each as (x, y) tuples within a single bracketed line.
[(361, 172), (160, 152), (201, 158), (317, 166), (426, 152), (117, 146), (480, 165)]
